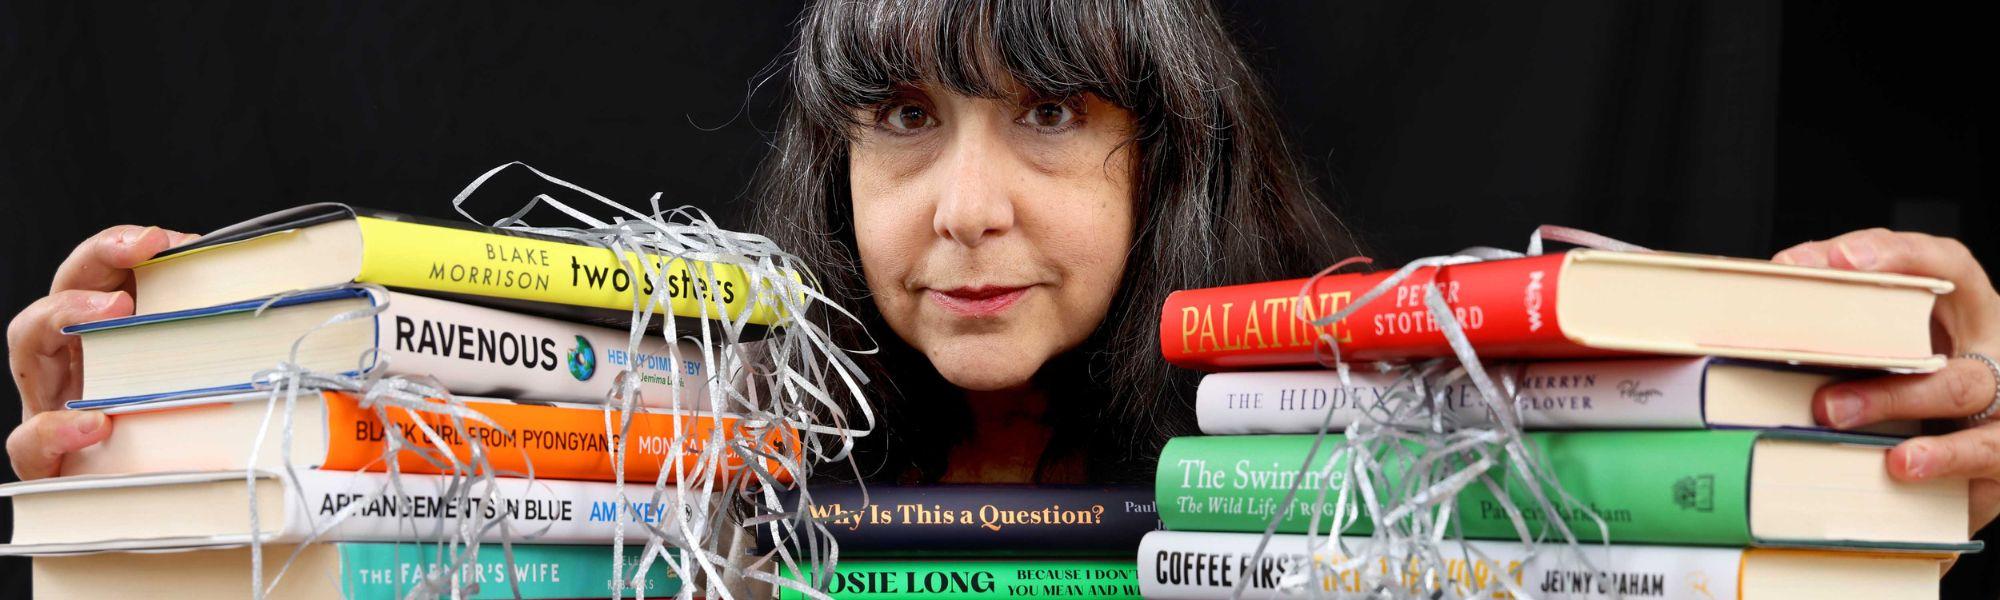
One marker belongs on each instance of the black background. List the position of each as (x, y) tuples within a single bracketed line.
[(1723, 127)]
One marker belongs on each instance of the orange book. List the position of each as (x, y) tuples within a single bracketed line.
[(330, 430)]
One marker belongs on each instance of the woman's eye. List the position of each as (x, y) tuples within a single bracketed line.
[(1050, 115), (906, 118)]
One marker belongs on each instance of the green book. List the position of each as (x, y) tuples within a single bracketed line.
[(969, 579), (388, 571), (1776, 488)]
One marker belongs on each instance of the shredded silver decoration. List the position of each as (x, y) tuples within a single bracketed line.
[(789, 378), (467, 480), (1434, 455)]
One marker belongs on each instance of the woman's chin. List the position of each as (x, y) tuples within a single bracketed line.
[(985, 371), (987, 380)]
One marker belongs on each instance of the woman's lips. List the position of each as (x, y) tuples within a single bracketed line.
[(977, 302)]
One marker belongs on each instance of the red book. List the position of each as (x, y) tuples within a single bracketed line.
[(1581, 303)]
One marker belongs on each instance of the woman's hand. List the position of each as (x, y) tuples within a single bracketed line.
[(1969, 320), (91, 285)]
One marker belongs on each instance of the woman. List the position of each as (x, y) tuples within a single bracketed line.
[(1017, 187), (1006, 192)]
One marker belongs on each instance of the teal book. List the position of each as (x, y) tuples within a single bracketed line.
[(343, 571), (1758, 488)]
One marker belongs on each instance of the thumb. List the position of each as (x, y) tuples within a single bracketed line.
[(37, 447)]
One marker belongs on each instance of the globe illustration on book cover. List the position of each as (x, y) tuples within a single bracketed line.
[(582, 360)]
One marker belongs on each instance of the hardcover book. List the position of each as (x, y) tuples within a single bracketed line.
[(322, 245), (332, 431), (468, 349), (1658, 393), (1580, 303), (979, 579), (206, 509), (1177, 565), (1763, 488), (981, 520), (345, 571)]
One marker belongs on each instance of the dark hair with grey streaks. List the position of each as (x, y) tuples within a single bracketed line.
[(1219, 196)]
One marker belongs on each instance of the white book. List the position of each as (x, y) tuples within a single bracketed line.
[(470, 350), (1662, 393), (64, 515), (1182, 565)]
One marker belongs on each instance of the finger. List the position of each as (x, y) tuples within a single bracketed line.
[(104, 261), (1962, 388), (38, 329), (36, 448), (46, 363), (1967, 312), (1809, 254), (1884, 251), (1972, 453)]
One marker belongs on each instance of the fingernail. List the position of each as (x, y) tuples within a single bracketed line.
[(103, 300), (1914, 463), (132, 236), (1842, 408), (89, 423), (1859, 253), (1783, 258)]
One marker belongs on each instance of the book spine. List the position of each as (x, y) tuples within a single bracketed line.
[(461, 261), (370, 571), (896, 580), (488, 352), (1596, 394), (1664, 487), (1507, 308), (982, 520), (560, 442), (1201, 566), (539, 511)]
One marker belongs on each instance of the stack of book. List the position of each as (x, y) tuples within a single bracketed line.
[(201, 463), (1672, 398), (976, 541)]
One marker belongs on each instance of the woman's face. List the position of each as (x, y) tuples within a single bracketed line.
[(993, 232)]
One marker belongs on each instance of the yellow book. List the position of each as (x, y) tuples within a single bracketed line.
[(321, 245)]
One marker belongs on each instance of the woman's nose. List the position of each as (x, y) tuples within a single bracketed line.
[(977, 200)]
